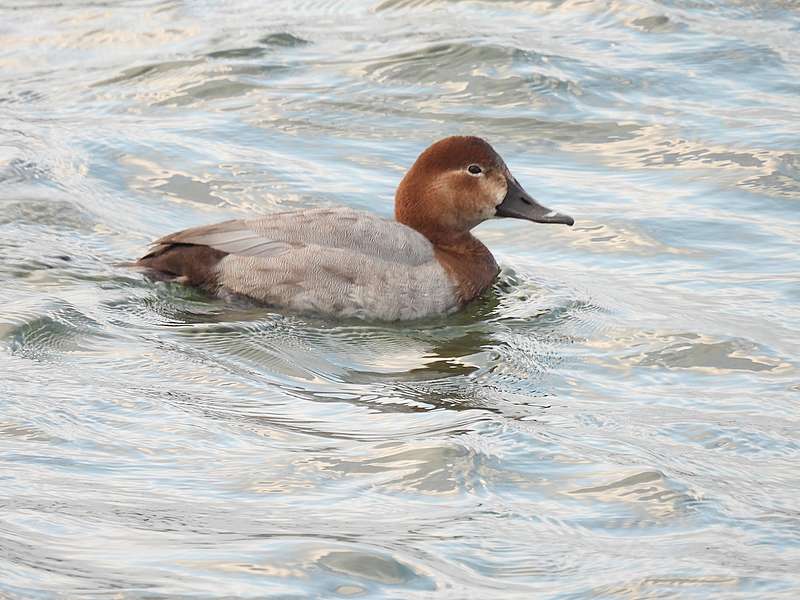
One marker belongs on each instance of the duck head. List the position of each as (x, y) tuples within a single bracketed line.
[(459, 182)]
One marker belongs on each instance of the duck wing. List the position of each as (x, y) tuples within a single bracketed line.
[(230, 237), (192, 255), (276, 234)]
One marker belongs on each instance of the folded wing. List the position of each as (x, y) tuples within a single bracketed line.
[(276, 234), (192, 256)]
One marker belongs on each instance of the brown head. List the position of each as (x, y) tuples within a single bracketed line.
[(459, 182)]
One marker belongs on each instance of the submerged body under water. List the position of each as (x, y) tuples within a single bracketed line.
[(616, 417)]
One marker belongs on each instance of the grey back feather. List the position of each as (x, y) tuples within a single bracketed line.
[(336, 261), (340, 228), (232, 237), (347, 229)]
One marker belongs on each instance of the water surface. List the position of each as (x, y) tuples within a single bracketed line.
[(617, 418)]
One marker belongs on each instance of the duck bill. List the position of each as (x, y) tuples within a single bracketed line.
[(518, 204)]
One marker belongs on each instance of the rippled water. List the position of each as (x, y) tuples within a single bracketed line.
[(618, 418)]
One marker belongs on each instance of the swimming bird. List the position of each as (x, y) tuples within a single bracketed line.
[(347, 263)]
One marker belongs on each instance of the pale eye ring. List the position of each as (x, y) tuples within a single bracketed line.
[(474, 170)]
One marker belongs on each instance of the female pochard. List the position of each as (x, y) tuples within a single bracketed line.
[(343, 262)]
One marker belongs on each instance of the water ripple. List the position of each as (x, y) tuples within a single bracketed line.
[(616, 417)]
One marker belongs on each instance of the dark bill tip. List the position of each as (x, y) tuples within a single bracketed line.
[(555, 217), (518, 204)]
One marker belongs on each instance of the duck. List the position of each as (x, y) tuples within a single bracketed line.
[(341, 262)]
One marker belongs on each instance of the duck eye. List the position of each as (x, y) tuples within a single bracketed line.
[(474, 169)]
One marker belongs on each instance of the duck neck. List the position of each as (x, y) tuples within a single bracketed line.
[(468, 263)]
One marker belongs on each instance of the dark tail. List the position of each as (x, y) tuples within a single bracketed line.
[(185, 263)]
